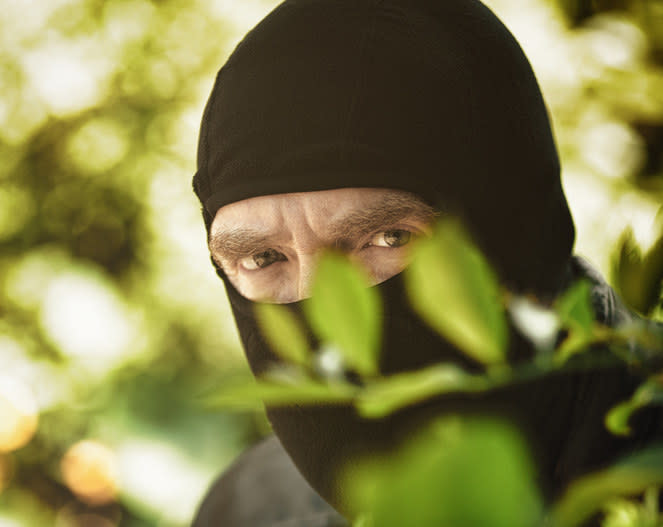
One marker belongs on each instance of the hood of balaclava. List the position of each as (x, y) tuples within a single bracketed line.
[(427, 96), (432, 97)]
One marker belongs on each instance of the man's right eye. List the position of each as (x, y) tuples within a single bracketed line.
[(262, 259)]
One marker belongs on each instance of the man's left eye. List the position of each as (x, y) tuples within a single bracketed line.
[(392, 238), (262, 259)]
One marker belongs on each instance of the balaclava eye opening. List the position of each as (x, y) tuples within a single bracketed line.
[(426, 96)]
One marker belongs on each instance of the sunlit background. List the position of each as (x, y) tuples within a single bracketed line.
[(112, 322)]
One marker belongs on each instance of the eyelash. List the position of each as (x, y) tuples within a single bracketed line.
[(411, 233), (280, 258)]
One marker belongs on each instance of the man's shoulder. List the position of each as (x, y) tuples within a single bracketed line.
[(263, 488)]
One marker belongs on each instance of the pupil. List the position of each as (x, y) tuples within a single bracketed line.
[(396, 238), (262, 259)]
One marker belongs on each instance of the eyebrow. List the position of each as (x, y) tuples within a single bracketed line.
[(389, 210), (235, 243)]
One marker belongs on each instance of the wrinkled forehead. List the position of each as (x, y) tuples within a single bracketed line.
[(330, 214), (322, 206)]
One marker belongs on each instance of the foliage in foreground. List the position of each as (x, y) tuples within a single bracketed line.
[(482, 467)]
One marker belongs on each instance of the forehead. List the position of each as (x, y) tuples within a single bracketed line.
[(321, 207)]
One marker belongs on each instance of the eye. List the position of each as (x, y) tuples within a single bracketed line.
[(392, 238), (262, 259)]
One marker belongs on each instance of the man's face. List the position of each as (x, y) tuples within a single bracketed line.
[(268, 246)]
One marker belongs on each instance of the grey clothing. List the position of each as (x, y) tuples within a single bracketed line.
[(264, 489)]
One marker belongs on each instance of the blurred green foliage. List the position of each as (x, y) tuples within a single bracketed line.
[(349, 317), (449, 267), (462, 470), (639, 276), (481, 468), (640, 473), (111, 319)]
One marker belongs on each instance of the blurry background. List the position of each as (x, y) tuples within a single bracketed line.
[(112, 322)]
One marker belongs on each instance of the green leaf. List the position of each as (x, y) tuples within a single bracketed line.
[(649, 393), (363, 521), (589, 494), (456, 472), (638, 277), (455, 291), (616, 420), (577, 341), (346, 312), (574, 308), (392, 393), (284, 333)]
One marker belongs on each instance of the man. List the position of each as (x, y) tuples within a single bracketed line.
[(351, 124)]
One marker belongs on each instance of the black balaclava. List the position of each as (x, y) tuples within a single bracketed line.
[(434, 97)]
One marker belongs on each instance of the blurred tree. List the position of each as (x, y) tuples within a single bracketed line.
[(100, 243)]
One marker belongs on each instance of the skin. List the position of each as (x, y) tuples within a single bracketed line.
[(268, 245)]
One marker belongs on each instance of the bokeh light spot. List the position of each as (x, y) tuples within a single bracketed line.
[(97, 146), (163, 79), (536, 322), (89, 470), (612, 149), (23, 119), (28, 279), (127, 21), (159, 479), (615, 42), (18, 414), (11, 522), (68, 77), (86, 319)]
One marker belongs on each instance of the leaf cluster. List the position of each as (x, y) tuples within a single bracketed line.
[(473, 461)]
